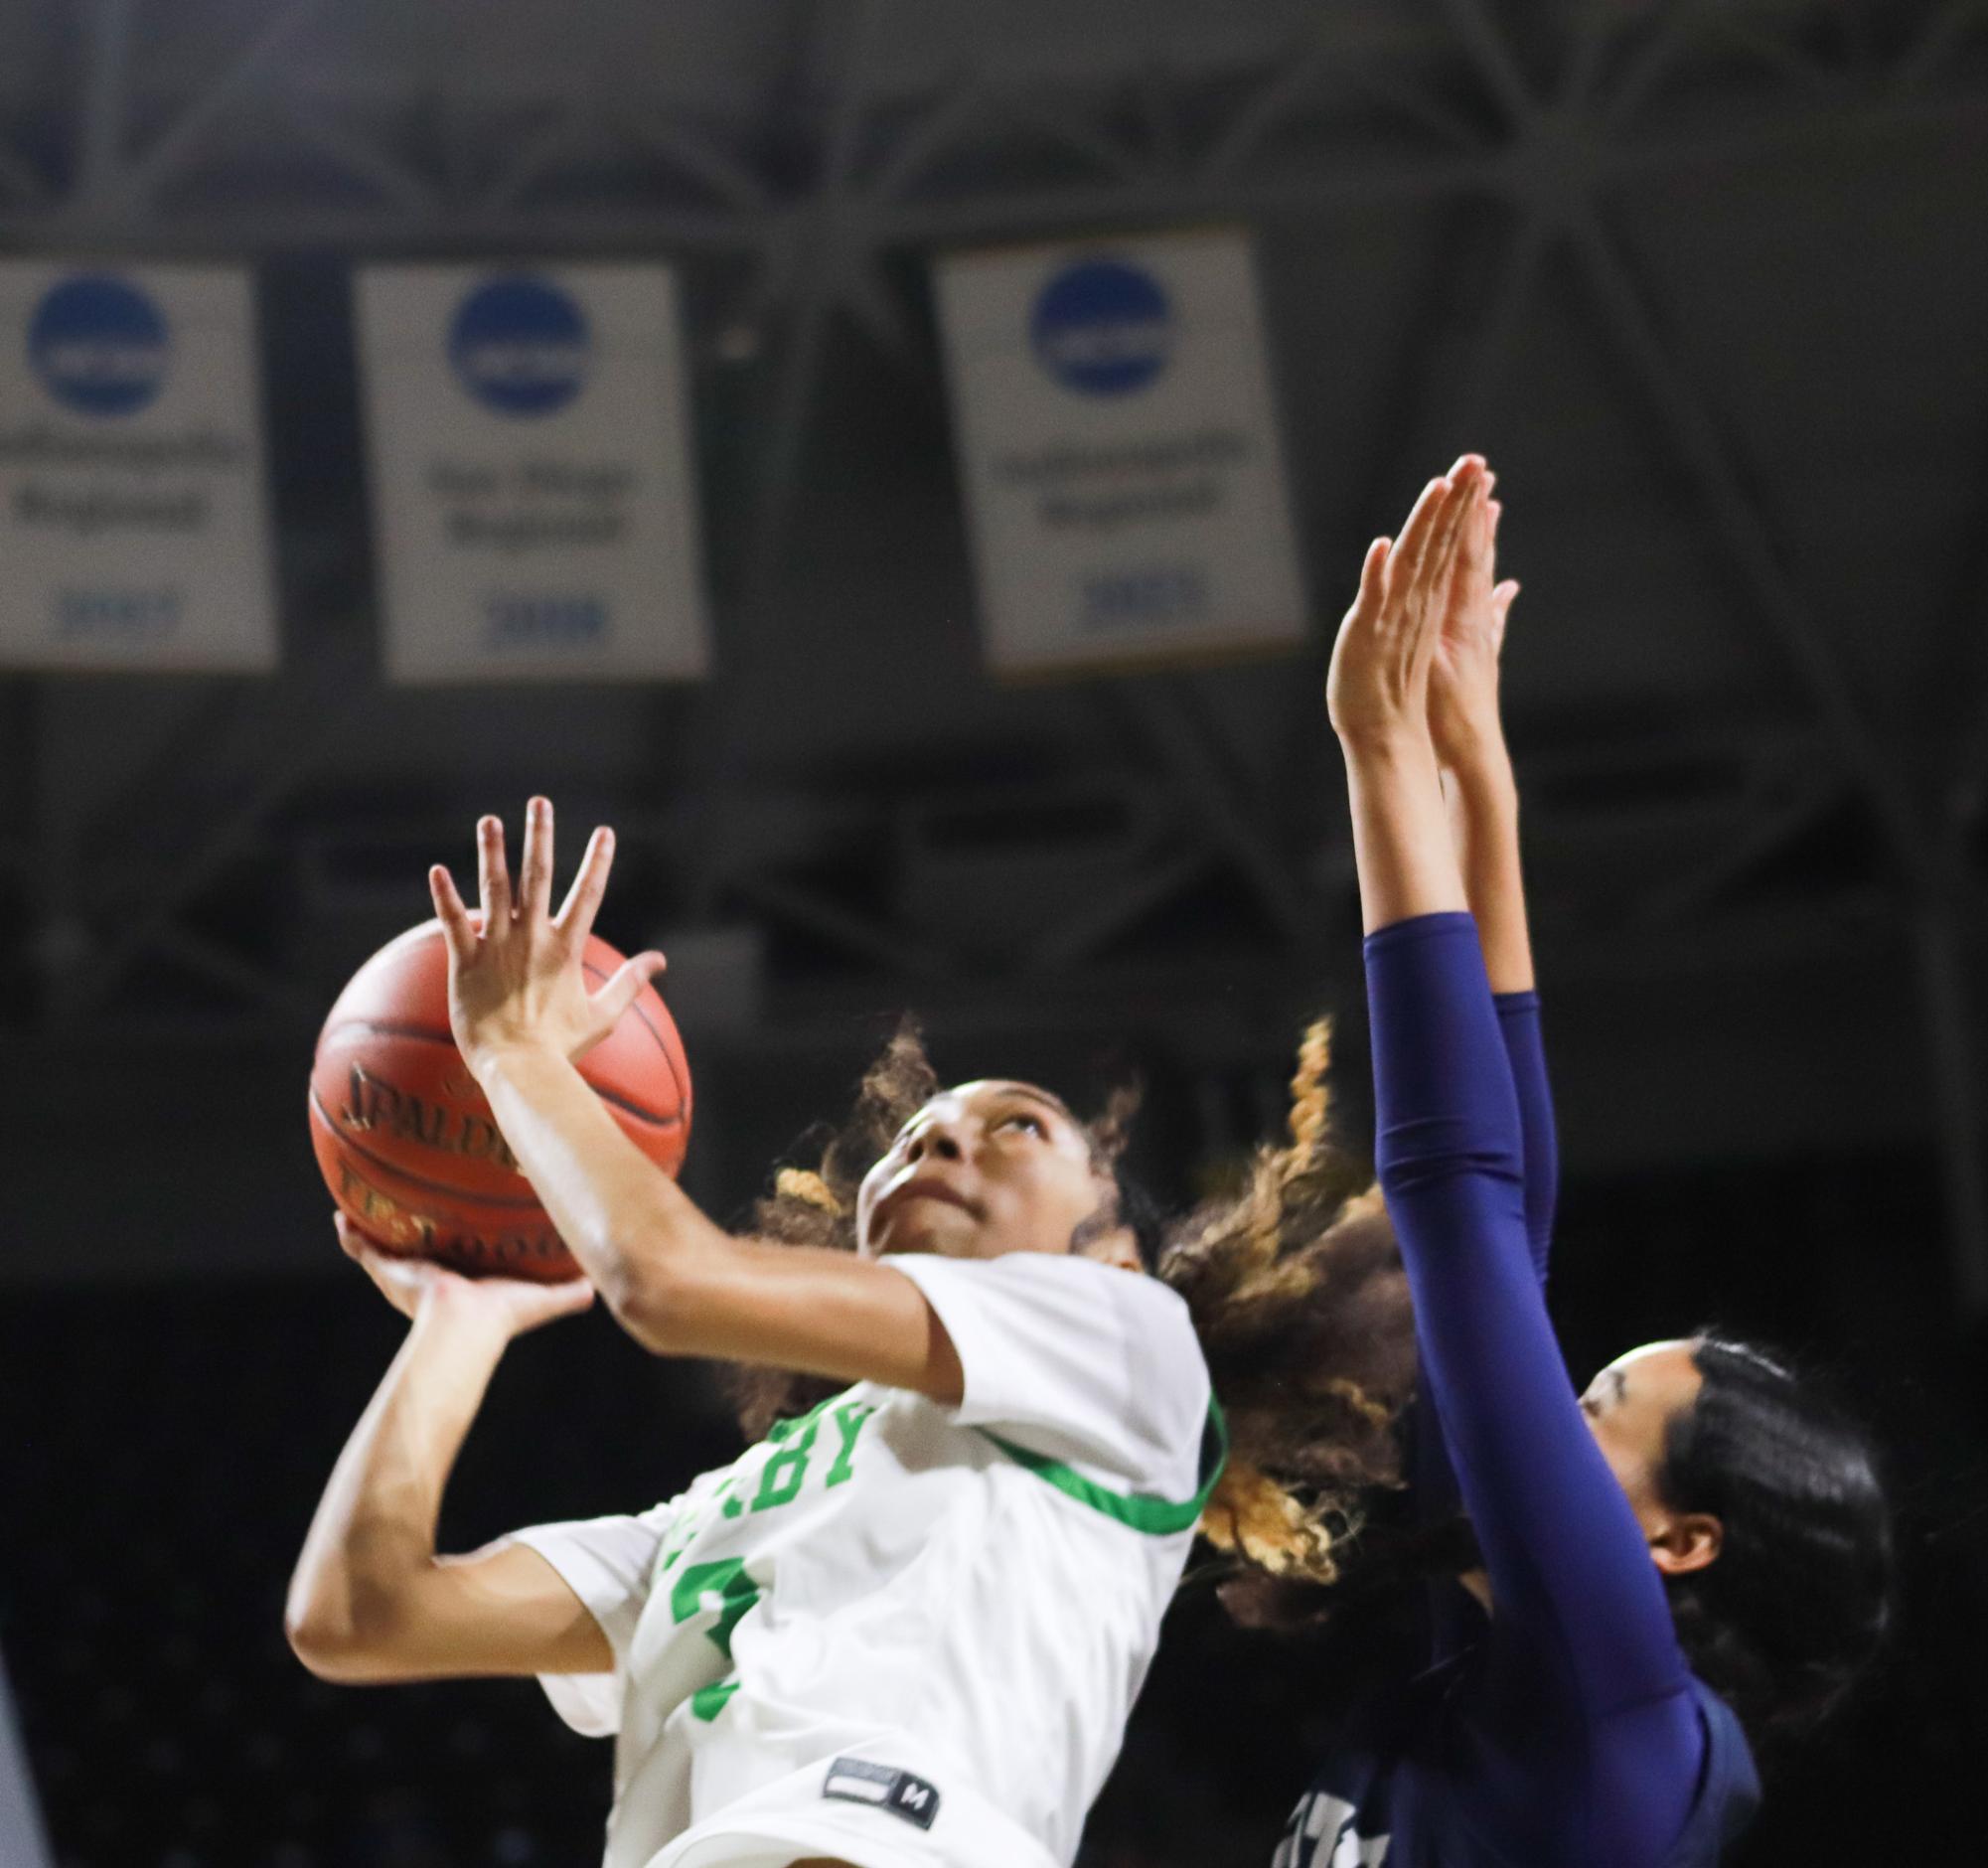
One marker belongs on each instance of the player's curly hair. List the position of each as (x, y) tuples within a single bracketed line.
[(1294, 1285)]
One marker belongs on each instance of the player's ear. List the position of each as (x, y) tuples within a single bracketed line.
[(1688, 1541)]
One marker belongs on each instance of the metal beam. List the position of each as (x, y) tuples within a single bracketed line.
[(1491, 52), (139, 180), (842, 928), (1207, 793), (1700, 448), (100, 147), (806, 236), (1939, 951)]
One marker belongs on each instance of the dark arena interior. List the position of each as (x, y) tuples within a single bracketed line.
[(1704, 280)]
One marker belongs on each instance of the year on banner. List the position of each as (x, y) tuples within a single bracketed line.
[(533, 500), (1113, 422), (133, 529)]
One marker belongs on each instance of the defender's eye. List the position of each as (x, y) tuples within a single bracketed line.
[(1021, 1119)]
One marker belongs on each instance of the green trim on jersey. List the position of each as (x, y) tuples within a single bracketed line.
[(1137, 1510)]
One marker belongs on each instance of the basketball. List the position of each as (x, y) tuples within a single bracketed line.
[(405, 1138)]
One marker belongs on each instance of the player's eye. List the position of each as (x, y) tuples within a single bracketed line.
[(1021, 1119)]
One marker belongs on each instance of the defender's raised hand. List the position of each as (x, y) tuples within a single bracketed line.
[(1378, 684), (1463, 674), (514, 972)]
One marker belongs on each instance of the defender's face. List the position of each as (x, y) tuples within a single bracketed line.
[(983, 1169), (1629, 1406)]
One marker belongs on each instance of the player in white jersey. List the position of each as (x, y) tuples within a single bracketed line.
[(906, 1628)]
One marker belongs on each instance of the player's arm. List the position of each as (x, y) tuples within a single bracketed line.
[(1575, 1591), (1469, 740), (677, 1283), (371, 1600), (1481, 792)]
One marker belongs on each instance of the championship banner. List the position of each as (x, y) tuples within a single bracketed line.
[(1119, 456), (532, 498), (134, 529)]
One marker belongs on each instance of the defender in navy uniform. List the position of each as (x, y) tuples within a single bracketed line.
[(1691, 1556)]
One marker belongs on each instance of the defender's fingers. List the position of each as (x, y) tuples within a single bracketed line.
[(1439, 560), (576, 913), (493, 876), (1473, 540), (1412, 544), (535, 875), (1373, 583)]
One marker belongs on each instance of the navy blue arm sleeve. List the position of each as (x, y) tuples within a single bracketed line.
[(1525, 1053), (1518, 1025), (1578, 1604)]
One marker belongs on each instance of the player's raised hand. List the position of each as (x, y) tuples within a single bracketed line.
[(1463, 676), (516, 979), (513, 1305), (1378, 685)]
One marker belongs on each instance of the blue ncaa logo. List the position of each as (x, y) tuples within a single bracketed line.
[(1103, 327), (519, 346), (99, 345)]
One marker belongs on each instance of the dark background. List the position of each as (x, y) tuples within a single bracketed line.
[(1706, 281)]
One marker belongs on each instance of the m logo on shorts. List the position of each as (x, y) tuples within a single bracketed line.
[(857, 1780)]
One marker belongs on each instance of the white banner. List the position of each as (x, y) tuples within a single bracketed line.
[(1119, 452), (134, 531), (532, 498)]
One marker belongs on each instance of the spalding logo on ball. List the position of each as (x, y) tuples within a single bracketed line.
[(405, 1138)]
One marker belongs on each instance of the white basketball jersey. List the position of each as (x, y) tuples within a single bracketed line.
[(895, 1633)]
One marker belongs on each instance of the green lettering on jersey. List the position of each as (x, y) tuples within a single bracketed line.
[(848, 1419), (780, 1478), (723, 1586), (708, 1702)]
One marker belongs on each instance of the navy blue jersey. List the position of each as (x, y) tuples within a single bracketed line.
[(1566, 1731)]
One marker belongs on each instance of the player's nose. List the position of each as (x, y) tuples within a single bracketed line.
[(938, 1142)]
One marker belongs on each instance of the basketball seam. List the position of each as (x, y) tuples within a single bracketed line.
[(387, 1027), (669, 1061)]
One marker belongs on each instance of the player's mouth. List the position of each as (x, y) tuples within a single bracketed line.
[(924, 1187)]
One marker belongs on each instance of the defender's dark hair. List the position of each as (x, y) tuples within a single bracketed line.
[(1294, 1288), (1800, 1598)]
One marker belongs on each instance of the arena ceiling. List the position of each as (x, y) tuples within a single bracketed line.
[(1705, 278)]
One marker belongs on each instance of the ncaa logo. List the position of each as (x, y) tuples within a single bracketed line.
[(519, 346), (99, 345), (1103, 327)]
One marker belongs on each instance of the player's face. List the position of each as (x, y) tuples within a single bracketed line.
[(1629, 1406), (987, 1168)]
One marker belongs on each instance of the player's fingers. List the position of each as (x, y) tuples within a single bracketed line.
[(535, 872), (1405, 561), (623, 985), (1439, 559), (1373, 584), (576, 913), (1501, 608), (566, 1299), (457, 928), (1474, 552), (493, 877)]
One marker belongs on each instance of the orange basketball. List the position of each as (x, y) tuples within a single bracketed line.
[(406, 1139)]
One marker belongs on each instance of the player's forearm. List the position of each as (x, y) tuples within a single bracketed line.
[(374, 1534), (1401, 835), (634, 1231), (1483, 808)]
